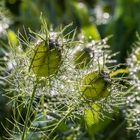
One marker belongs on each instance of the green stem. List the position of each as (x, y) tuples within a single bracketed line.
[(28, 113), (66, 115)]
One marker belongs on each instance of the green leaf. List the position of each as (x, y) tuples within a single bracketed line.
[(90, 32)]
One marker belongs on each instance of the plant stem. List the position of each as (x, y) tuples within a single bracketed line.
[(28, 112), (67, 114)]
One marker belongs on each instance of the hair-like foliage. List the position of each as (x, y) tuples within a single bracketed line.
[(133, 100), (53, 105)]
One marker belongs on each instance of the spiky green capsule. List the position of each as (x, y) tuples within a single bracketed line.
[(94, 86), (46, 58), (82, 58)]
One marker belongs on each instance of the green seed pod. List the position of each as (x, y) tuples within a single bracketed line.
[(93, 119), (46, 58), (82, 58), (94, 86)]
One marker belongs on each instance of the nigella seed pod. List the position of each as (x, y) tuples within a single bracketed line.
[(82, 58), (46, 58), (94, 86)]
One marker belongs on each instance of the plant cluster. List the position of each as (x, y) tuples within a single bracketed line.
[(60, 87), (64, 83)]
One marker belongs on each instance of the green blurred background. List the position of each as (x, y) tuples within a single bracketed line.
[(96, 19)]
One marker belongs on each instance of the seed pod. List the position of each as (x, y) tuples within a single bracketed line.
[(93, 119), (46, 59), (82, 58), (94, 86), (92, 116)]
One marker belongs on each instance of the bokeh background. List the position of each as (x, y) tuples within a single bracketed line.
[(96, 19)]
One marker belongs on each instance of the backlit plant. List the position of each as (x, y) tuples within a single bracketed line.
[(54, 90)]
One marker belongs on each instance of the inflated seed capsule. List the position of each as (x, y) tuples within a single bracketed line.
[(94, 85), (92, 117), (82, 58), (46, 58)]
